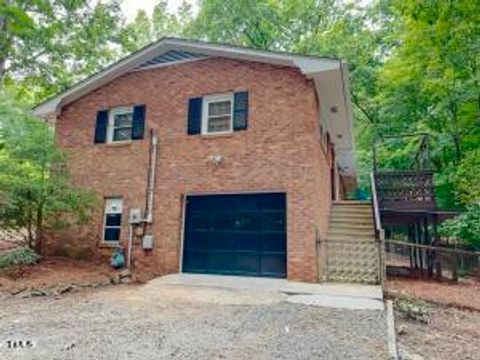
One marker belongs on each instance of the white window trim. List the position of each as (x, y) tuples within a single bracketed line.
[(111, 122), (110, 242), (212, 99)]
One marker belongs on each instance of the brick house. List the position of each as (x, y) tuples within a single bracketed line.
[(224, 159)]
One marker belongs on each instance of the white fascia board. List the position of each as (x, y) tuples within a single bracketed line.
[(46, 109), (310, 67)]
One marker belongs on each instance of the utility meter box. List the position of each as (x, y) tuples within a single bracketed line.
[(135, 216), (147, 242)]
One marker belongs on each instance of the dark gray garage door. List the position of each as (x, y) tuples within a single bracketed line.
[(236, 235)]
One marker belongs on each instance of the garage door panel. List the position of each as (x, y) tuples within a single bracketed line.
[(246, 221), (273, 202), (218, 261), (273, 241), (236, 234), (195, 261), (273, 221), (247, 262), (273, 264), (246, 240)]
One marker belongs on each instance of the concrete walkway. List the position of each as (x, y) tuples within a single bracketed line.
[(345, 296)]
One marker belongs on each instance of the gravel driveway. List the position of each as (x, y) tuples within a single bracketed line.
[(187, 322)]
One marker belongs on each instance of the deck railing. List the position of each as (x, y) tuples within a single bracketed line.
[(405, 190), (412, 260)]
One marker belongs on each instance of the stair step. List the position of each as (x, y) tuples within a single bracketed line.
[(351, 210), (352, 219), (352, 214), (351, 202), (350, 234), (351, 229), (349, 239), (347, 213), (338, 221)]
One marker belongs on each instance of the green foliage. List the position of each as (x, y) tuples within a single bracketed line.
[(467, 178), (36, 193), (144, 29), (430, 82), (465, 227), (23, 256), (45, 45)]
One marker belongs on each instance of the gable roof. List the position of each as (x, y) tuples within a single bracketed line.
[(329, 75)]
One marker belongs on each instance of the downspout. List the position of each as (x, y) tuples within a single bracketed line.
[(129, 246), (151, 178), (150, 192)]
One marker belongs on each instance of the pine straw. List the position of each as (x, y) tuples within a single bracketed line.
[(53, 271), (464, 294)]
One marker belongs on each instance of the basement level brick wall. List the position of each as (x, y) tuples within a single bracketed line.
[(280, 151)]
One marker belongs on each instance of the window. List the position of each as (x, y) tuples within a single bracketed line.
[(217, 114), (120, 124), (113, 220)]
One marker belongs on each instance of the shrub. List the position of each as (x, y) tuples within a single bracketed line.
[(413, 310), (23, 256), (465, 227)]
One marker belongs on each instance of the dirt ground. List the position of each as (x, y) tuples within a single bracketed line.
[(449, 334), (55, 271), (465, 294), (436, 321), (11, 244)]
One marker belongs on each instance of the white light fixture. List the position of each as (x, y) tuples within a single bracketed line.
[(215, 159)]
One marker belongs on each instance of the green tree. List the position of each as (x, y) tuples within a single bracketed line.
[(45, 46), (144, 29), (430, 81), (465, 227), (36, 195), (466, 179)]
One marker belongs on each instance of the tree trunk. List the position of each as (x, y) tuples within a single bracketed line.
[(29, 228), (39, 232), (4, 44)]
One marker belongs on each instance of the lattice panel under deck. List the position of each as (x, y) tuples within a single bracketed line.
[(353, 261)]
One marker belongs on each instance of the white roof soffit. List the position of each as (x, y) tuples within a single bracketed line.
[(330, 78), (333, 90)]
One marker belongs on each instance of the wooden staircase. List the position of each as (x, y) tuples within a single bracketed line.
[(352, 253)]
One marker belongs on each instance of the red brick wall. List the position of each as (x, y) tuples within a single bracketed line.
[(280, 151)]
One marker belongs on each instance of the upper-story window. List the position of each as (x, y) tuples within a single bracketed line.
[(217, 114), (120, 124)]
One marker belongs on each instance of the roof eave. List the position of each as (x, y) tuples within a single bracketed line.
[(308, 66)]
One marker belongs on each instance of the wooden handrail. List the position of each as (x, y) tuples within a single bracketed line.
[(379, 233), (435, 248), (376, 211)]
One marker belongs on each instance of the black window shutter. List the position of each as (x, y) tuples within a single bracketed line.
[(240, 111), (138, 122), (101, 127), (194, 116)]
